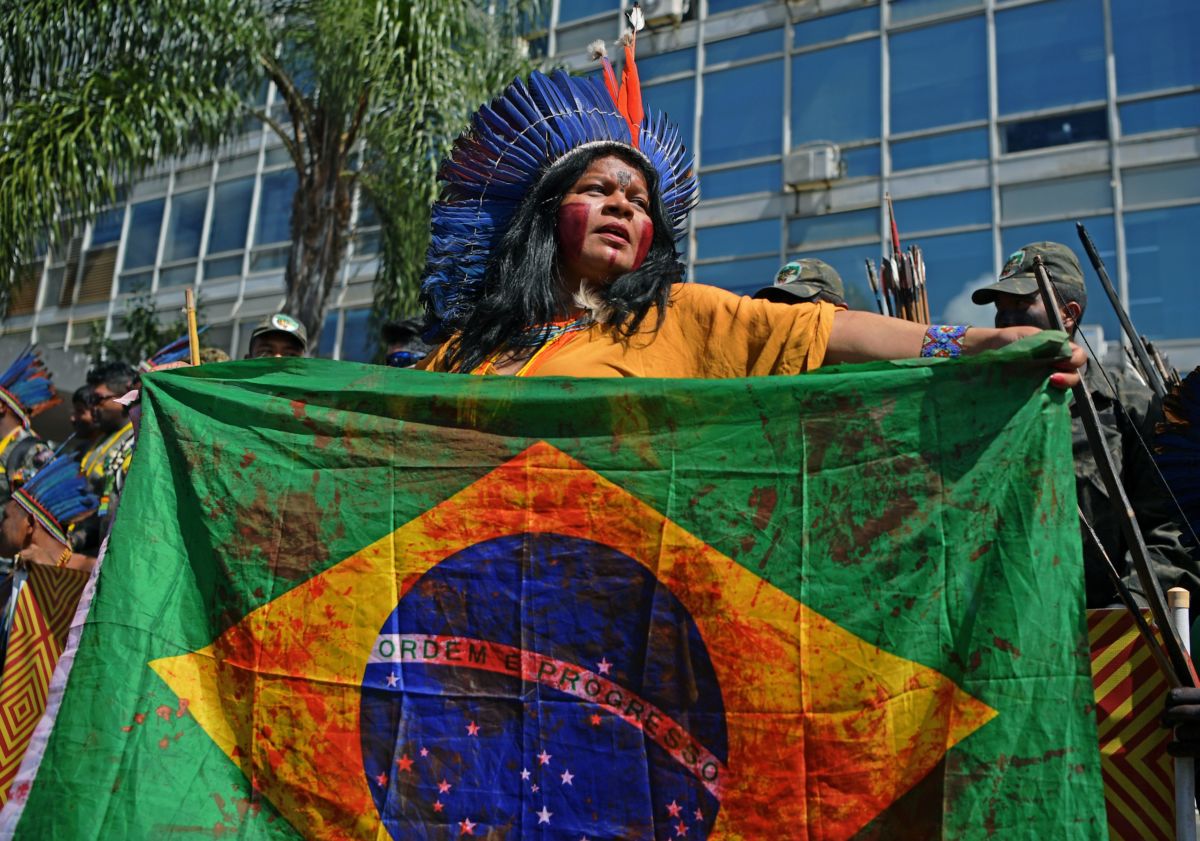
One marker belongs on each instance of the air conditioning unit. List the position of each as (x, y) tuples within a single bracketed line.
[(813, 166), (660, 12)]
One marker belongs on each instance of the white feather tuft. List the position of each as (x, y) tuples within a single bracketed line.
[(587, 299), (636, 19), (597, 50)]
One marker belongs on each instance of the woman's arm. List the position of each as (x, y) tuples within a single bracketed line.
[(864, 337)]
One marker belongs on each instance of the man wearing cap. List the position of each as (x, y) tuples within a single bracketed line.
[(402, 343), (276, 337), (805, 280), (1127, 409)]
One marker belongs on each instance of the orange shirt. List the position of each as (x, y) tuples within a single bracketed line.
[(705, 333)]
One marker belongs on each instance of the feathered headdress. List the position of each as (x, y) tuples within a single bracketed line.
[(176, 351), (27, 387), (58, 495), (510, 145)]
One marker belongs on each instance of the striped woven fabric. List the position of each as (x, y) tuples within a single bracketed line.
[(44, 610), (1139, 777)]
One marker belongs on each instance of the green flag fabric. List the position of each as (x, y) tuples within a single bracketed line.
[(349, 602)]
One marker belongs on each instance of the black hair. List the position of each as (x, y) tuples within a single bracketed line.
[(406, 332), (117, 377), (82, 395), (522, 285)]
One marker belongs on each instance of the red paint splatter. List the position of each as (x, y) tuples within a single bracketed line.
[(138, 718), (163, 712), (248, 459), (1005, 645), (164, 742), (643, 247), (572, 228), (183, 707), (299, 407)]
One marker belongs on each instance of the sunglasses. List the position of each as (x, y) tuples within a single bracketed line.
[(403, 358)]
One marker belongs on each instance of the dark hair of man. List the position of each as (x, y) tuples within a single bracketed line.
[(521, 283), (82, 395), (117, 377)]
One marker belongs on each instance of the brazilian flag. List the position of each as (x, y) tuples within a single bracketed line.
[(350, 602)]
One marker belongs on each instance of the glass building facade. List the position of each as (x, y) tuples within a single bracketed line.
[(991, 123)]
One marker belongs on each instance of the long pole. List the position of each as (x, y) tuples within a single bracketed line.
[(1139, 347), (189, 302), (1185, 766), (1185, 672)]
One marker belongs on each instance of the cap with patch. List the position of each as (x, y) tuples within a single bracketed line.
[(1017, 277), (281, 322), (804, 280)]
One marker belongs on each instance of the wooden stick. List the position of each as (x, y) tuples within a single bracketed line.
[(189, 302), (1185, 766)]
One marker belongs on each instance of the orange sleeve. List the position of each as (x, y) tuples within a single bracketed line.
[(710, 332), (434, 361)]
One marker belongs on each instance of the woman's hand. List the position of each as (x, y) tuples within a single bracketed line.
[(1066, 370)]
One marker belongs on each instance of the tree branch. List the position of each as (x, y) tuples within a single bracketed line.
[(288, 142), (301, 116)]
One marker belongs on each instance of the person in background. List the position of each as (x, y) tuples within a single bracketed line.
[(26, 390), (402, 343), (36, 523), (1128, 414), (83, 424), (278, 337), (803, 280), (106, 463)]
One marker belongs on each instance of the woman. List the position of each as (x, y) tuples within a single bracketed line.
[(554, 254)]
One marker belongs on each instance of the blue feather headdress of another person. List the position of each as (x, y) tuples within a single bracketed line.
[(27, 388), (512, 143), (57, 496), (175, 351)]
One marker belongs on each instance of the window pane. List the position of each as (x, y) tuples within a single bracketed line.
[(909, 9), (1155, 43), (141, 246), (275, 208), (107, 227), (1160, 251), (184, 225), (271, 258), (850, 264), (678, 101), (744, 277), (835, 93), (861, 162), (809, 230), (177, 276), (928, 213), (968, 145), (230, 215), (747, 46), (939, 75), (743, 109), (1055, 131), (358, 342), (764, 178), (955, 266), (1040, 199), (834, 27), (328, 336), (223, 267), (740, 238), (1103, 233), (1162, 183), (1050, 54), (665, 64), (715, 7), (1159, 114), (578, 38), (570, 10), (136, 282)]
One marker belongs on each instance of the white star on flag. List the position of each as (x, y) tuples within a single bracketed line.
[(392, 679), (603, 666), (567, 776), (544, 815), (544, 757)]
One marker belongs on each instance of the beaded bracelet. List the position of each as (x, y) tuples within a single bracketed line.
[(944, 341)]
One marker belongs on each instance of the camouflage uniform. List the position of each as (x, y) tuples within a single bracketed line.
[(1174, 565)]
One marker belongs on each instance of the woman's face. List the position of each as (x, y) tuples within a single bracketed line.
[(604, 227)]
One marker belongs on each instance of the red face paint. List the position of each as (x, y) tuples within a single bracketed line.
[(572, 228), (643, 243)]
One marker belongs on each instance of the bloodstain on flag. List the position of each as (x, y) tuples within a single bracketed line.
[(725, 699)]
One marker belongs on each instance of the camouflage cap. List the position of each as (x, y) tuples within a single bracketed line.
[(1017, 278), (804, 280), (281, 322)]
